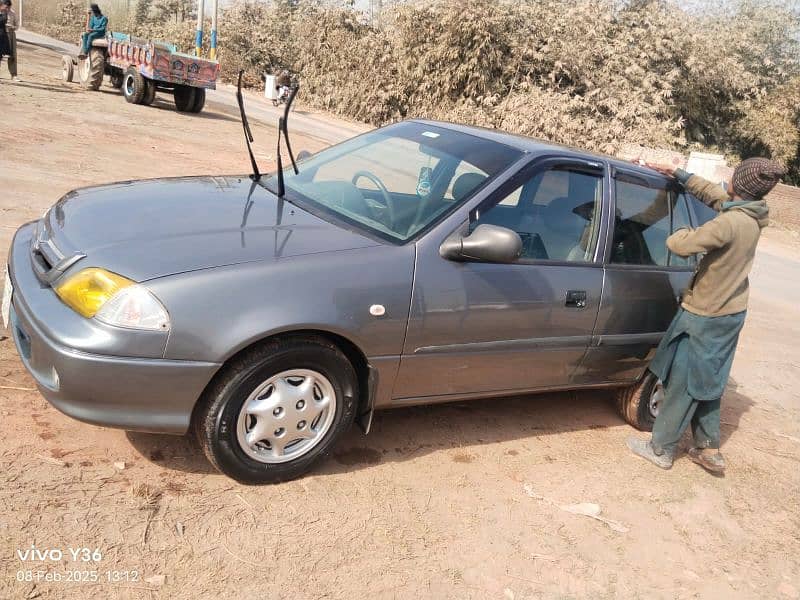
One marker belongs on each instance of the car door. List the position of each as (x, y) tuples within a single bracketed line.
[(479, 328), (644, 280)]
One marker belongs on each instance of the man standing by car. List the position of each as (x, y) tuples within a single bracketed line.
[(695, 356)]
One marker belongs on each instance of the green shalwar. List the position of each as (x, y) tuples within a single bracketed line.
[(694, 361)]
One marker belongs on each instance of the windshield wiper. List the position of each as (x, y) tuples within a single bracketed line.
[(248, 135), (283, 128)]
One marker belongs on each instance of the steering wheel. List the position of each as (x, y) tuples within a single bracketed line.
[(387, 198)]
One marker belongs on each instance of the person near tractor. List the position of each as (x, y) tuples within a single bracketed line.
[(283, 83), (95, 29), (12, 23), (695, 356)]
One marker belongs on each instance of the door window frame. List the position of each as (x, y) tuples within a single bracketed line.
[(653, 182), (598, 168)]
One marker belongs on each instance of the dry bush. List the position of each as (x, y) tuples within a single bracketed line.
[(144, 496), (592, 73)]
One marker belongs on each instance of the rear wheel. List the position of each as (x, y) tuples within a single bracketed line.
[(277, 410), (184, 98), (639, 404), (67, 69), (134, 86), (199, 100), (92, 68)]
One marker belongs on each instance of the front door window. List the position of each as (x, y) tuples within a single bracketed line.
[(556, 213)]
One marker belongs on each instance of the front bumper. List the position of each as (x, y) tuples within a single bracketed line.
[(135, 393)]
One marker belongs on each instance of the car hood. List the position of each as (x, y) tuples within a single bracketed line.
[(153, 228)]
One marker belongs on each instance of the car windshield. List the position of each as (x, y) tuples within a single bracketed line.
[(399, 180)]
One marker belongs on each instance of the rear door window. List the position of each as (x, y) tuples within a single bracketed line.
[(702, 212), (645, 217)]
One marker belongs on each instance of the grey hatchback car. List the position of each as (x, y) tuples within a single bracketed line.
[(421, 262)]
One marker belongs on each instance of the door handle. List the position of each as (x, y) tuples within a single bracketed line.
[(576, 299)]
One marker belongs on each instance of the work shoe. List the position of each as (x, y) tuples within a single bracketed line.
[(645, 449), (713, 463)]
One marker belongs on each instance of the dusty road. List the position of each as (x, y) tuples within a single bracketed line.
[(452, 501)]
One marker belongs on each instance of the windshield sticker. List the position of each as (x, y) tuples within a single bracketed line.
[(430, 134), (424, 182)]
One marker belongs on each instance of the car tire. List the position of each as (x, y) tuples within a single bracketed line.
[(184, 97), (224, 424), (639, 403), (134, 86)]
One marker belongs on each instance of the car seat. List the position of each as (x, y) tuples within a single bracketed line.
[(562, 229), (465, 184)]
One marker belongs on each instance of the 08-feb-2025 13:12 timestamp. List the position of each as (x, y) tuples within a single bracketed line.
[(77, 576)]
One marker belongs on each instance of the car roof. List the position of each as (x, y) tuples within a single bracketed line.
[(531, 145)]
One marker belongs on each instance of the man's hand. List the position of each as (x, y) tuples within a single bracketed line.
[(664, 169)]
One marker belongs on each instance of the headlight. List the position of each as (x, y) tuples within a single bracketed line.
[(113, 299)]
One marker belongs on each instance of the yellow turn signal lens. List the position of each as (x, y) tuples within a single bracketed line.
[(88, 290)]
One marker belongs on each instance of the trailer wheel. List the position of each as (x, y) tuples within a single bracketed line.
[(133, 86), (150, 92), (184, 98), (67, 69), (199, 100), (92, 68)]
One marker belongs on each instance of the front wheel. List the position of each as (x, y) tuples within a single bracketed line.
[(277, 410), (67, 69), (639, 404)]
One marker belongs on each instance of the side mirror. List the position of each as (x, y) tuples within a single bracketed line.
[(488, 243), (303, 154)]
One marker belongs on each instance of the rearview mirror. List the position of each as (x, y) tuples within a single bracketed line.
[(488, 243)]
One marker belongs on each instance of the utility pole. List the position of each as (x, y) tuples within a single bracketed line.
[(198, 36), (19, 16), (212, 53), (378, 11)]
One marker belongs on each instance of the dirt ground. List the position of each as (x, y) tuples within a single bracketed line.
[(450, 501)]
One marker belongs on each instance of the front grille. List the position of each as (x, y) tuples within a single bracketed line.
[(49, 263)]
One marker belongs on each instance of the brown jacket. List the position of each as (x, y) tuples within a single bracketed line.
[(13, 22), (720, 285)]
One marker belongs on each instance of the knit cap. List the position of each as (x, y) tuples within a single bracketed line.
[(754, 178)]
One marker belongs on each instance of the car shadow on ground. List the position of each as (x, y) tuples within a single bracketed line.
[(403, 434)]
